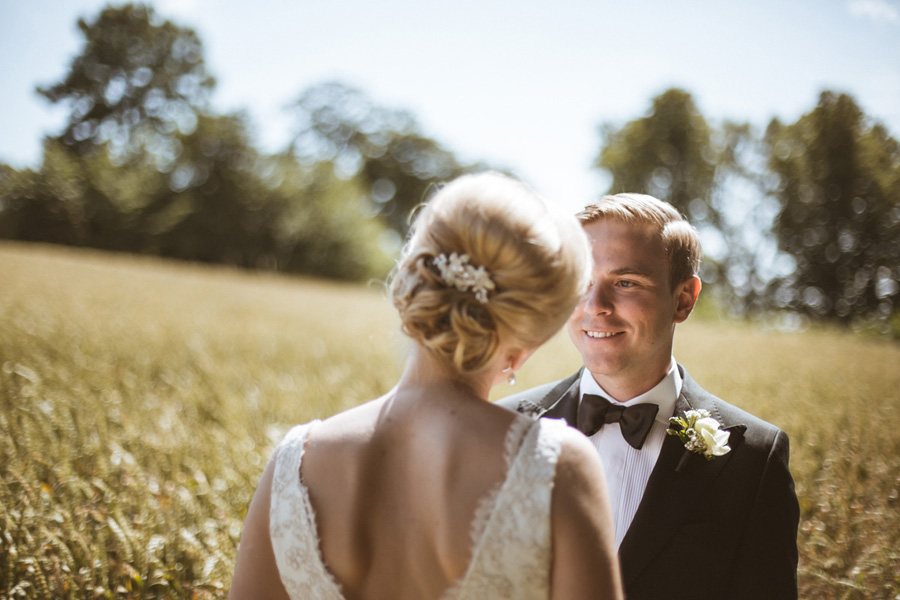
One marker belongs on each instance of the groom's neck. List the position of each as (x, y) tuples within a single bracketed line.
[(622, 387)]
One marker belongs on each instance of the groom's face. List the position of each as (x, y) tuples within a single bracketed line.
[(624, 324)]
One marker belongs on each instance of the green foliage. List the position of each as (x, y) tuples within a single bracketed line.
[(396, 162), (30, 207), (213, 208), (136, 75), (141, 167), (667, 154), (839, 194), (327, 227), (71, 199), (218, 200)]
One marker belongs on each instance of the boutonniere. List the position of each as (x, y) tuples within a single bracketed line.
[(700, 433)]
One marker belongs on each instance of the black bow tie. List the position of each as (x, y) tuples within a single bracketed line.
[(635, 421)]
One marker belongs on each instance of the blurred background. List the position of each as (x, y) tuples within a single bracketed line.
[(297, 136)]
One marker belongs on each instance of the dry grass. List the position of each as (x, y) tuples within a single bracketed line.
[(139, 401)]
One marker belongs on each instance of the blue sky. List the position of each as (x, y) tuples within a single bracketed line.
[(522, 84)]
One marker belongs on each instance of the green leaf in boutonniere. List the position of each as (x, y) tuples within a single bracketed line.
[(700, 433)]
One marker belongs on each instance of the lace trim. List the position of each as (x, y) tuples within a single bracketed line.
[(512, 444), (293, 527), (512, 557)]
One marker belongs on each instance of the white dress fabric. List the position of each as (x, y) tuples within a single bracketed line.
[(510, 533)]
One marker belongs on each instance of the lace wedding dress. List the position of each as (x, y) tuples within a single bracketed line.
[(510, 532)]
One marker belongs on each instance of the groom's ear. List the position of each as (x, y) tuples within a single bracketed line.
[(686, 294)]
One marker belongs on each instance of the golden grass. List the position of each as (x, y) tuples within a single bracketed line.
[(140, 400)]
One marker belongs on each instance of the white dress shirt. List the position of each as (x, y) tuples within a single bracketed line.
[(628, 470)]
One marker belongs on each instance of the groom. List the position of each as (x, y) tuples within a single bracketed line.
[(686, 527)]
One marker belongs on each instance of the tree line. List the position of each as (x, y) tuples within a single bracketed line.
[(802, 218), (144, 165)]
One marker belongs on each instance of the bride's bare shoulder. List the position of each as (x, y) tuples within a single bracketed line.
[(355, 423)]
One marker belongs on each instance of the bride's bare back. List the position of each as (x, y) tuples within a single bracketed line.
[(395, 485)]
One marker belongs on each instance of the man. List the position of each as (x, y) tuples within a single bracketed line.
[(686, 527)]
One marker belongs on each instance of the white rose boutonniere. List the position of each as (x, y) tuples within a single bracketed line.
[(700, 433)]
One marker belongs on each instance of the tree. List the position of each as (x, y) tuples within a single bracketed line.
[(138, 84), (143, 166), (382, 146), (72, 199), (839, 194), (328, 227), (136, 76), (667, 154), (213, 206), (34, 208)]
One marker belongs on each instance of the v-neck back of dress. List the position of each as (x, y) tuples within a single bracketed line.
[(510, 533)]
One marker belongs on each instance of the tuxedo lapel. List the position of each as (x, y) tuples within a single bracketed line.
[(671, 491), (567, 407), (561, 402)]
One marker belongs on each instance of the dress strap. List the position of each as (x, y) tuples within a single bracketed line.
[(292, 524)]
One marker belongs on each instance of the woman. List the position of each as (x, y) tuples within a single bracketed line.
[(431, 491)]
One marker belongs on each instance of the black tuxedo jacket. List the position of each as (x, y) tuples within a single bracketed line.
[(719, 529)]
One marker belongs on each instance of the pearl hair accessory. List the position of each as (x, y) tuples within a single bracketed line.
[(457, 272)]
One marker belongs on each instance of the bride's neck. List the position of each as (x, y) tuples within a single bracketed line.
[(424, 370)]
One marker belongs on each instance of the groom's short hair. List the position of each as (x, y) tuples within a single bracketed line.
[(680, 239)]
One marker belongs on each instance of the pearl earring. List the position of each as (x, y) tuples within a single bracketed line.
[(512, 376)]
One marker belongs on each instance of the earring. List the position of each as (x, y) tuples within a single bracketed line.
[(512, 376)]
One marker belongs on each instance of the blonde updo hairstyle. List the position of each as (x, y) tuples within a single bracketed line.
[(537, 258)]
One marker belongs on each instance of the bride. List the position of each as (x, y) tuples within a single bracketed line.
[(431, 491)]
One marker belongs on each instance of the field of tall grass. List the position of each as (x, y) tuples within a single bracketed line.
[(140, 400)]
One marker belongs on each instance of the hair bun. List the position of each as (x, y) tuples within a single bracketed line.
[(488, 263)]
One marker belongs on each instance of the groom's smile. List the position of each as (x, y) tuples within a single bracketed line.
[(601, 334)]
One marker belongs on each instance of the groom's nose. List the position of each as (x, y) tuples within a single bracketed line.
[(599, 299)]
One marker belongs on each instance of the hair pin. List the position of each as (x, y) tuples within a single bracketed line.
[(457, 272)]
